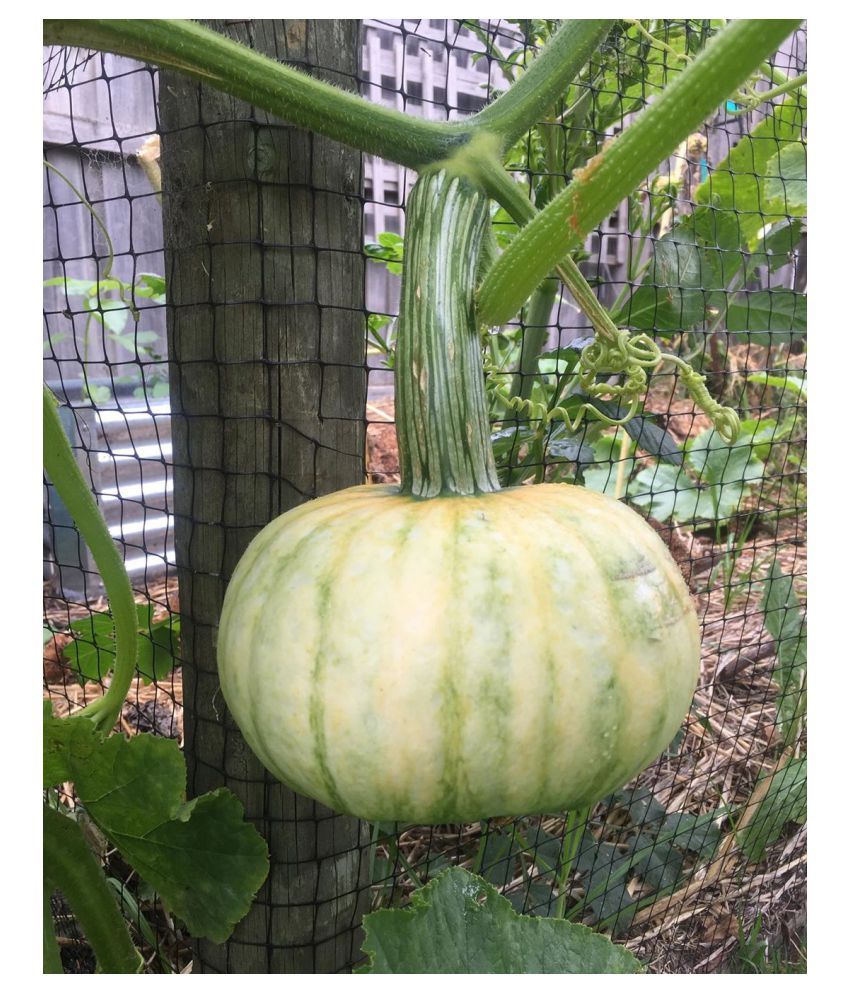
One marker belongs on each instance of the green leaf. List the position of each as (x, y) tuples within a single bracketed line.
[(657, 861), (150, 285), (99, 394), (719, 463), (570, 448), (779, 310), (606, 871), (786, 178), (201, 856), (389, 250), (673, 295), (784, 620), (651, 438), (390, 240), (781, 382), (92, 653), (57, 734), (72, 286), (784, 802), (112, 314), (159, 649), (774, 247), (601, 473), (664, 492), (459, 924), (781, 607), (740, 182)]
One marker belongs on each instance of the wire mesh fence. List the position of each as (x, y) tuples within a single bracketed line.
[(272, 383)]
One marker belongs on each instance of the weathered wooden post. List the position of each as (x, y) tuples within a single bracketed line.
[(267, 346)]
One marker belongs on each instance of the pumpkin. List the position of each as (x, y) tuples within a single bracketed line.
[(446, 650)]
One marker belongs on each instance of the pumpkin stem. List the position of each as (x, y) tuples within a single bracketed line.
[(441, 408)]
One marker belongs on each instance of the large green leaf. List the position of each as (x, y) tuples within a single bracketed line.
[(725, 473), (459, 924), (673, 294), (784, 620), (201, 856), (786, 178), (774, 247), (740, 182), (649, 436), (784, 801), (779, 310), (664, 492), (691, 269), (92, 652)]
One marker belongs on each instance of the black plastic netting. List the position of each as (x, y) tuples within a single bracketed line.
[(223, 351)]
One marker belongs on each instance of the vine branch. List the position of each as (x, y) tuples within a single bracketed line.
[(65, 476), (610, 176), (211, 58)]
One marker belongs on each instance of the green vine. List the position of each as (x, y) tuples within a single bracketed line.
[(65, 476), (614, 352), (628, 356), (613, 174), (473, 149)]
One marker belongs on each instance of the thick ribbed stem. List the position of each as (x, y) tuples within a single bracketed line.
[(443, 428)]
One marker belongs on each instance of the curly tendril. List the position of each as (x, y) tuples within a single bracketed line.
[(628, 356), (726, 422)]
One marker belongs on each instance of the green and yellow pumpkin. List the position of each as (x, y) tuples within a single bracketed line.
[(447, 651)]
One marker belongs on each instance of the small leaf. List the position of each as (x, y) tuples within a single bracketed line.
[(150, 285), (459, 924), (572, 449)]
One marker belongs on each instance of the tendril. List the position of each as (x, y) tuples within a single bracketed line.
[(627, 356)]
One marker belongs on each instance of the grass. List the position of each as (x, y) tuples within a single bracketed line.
[(756, 954)]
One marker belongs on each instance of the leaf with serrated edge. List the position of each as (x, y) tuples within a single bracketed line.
[(459, 924), (206, 862)]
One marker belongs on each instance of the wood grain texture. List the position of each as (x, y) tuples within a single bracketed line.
[(266, 338)]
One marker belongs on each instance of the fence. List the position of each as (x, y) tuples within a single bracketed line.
[(259, 393)]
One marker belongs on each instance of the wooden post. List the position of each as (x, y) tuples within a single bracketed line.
[(266, 343)]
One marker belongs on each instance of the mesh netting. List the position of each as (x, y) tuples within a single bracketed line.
[(271, 382)]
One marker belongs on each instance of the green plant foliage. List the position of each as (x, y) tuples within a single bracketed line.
[(779, 310), (786, 179), (784, 620), (201, 856), (111, 303), (784, 802), (655, 845), (460, 924), (697, 274), (389, 250), (748, 181), (674, 293), (92, 653), (755, 954), (710, 487)]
